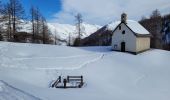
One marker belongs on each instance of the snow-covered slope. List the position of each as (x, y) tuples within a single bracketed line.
[(108, 75)]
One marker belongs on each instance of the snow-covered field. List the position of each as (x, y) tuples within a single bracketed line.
[(27, 70)]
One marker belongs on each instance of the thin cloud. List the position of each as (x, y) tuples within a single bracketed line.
[(103, 11)]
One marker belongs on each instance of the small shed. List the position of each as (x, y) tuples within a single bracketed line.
[(130, 36)]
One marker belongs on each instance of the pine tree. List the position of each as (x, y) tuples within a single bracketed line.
[(17, 14), (79, 22), (40, 31), (7, 18), (166, 32), (13, 13), (32, 11), (35, 20), (44, 30), (154, 26), (1, 20), (155, 14), (55, 37), (79, 28), (69, 39)]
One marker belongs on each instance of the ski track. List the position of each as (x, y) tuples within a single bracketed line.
[(5, 63), (91, 61), (12, 93), (66, 57), (79, 67)]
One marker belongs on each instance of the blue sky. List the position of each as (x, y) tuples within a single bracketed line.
[(47, 7), (96, 11)]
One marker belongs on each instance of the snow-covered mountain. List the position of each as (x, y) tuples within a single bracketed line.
[(63, 31), (66, 31)]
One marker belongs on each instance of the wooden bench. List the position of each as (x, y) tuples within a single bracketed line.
[(77, 79), (56, 82)]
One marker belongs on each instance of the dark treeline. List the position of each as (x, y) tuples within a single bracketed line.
[(159, 27), (12, 17)]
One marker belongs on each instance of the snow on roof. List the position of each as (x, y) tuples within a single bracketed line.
[(136, 27), (133, 25)]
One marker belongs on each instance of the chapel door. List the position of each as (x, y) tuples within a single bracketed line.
[(123, 46)]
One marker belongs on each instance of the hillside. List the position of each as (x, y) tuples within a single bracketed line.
[(29, 69), (101, 37)]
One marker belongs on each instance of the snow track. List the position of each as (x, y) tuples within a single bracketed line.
[(8, 92), (78, 67), (26, 59), (91, 61), (137, 81), (21, 63), (66, 57)]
